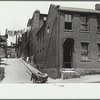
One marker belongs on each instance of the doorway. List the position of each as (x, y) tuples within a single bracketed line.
[(68, 49)]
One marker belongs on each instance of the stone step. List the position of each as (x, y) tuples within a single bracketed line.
[(69, 74)]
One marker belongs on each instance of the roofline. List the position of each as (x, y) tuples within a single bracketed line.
[(44, 14), (82, 10), (79, 11)]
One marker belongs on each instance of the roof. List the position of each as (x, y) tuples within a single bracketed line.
[(44, 14), (29, 22), (74, 9)]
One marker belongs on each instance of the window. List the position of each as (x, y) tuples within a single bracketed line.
[(48, 30), (44, 19), (40, 51), (84, 51), (43, 49), (43, 35), (42, 58), (40, 36), (98, 24), (98, 51), (68, 21), (84, 23)]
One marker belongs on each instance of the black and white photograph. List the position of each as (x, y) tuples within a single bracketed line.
[(49, 50), (49, 42)]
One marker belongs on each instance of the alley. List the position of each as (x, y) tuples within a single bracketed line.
[(16, 72)]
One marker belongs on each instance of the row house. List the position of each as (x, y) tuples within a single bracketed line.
[(27, 45), (37, 22), (70, 39)]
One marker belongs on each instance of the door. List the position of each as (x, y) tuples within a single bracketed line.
[(68, 48)]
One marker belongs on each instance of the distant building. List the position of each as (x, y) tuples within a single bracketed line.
[(12, 51), (37, 22), (3, 44)]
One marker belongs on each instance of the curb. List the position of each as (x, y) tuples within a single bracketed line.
[(29, 67)]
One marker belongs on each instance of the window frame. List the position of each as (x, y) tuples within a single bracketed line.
[(84, 23), (98, 44), (71, 21), (85, 58), (98, 25)]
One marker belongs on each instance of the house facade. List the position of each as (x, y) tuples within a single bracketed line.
[(29, 47), (70, 39), (27, 44)]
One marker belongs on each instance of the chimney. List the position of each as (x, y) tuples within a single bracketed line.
[(37, 11), (97, 7), (35, 22), (57, 6)]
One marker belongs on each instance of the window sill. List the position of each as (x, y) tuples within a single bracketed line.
[(98, 60), (84, 31), (85, 60), (98, 32), (65, 30)]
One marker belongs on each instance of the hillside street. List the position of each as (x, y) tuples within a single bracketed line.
[(16, 71)]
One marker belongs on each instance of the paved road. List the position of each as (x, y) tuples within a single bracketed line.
[(16, 72)]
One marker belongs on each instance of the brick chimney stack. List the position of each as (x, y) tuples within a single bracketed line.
[(35, 22), (97, 7)]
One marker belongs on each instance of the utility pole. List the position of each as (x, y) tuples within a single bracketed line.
[(6, 36), (16, 39)]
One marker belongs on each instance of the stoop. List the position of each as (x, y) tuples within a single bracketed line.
[(69, 73)]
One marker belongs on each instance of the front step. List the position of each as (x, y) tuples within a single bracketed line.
[(68, 74)]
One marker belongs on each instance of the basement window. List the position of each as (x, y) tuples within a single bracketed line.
[(98, 24), (98, 52), (68, 21), (84, 23), (84, 51)]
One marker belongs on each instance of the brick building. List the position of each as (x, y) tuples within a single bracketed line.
[(36, 22), (27, 45), (12, 51), (70, 39)]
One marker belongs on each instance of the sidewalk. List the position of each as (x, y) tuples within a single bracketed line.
[(2, 68), (29, 67), (83, 79)]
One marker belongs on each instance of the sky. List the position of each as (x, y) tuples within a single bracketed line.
[(14, 15)]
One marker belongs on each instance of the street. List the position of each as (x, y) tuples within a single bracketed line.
[(16, 72)]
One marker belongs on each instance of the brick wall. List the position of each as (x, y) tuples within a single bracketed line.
[(78, 36), (48, 65)]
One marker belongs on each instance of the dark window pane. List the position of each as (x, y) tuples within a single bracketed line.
[(98, 29), (68, 25)]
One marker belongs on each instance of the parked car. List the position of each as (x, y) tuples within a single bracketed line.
[(39, 77)]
